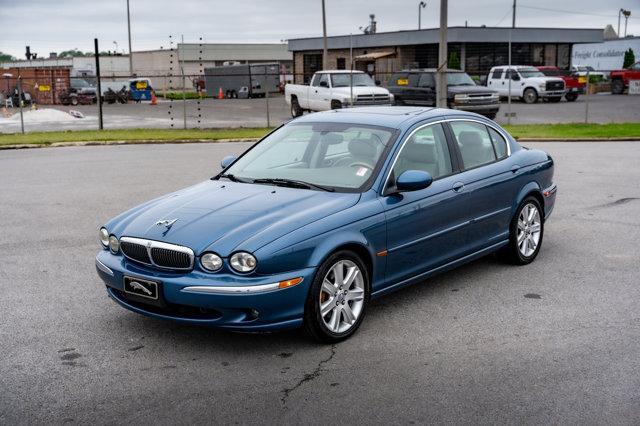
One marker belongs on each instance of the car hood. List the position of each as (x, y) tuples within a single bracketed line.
[(361, 90), (476, 90), (221, 215), (538, 80)]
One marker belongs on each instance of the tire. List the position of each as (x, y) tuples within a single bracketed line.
[(514, 252), (530, 96), (342, 318), (336, 104), (296, 111), (571, 97), (617, 86), (555, 99)]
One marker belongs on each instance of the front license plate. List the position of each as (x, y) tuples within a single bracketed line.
[(141, 288)]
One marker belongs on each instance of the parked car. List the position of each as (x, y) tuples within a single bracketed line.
[(69, 97), (83, 87), (620, 78), (574, 83), (418, 87), (325, 213), (333, 90), (527, 83)]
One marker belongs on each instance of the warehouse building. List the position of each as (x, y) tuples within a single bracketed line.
[(472, 49)]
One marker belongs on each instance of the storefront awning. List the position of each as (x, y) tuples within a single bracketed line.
[(373, 56)]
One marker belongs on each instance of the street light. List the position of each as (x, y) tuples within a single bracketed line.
[(421, 6), (626, 14)]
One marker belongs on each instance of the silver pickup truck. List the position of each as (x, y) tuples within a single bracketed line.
[(332, 90)]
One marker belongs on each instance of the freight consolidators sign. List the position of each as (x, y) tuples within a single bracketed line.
[(605, 56)]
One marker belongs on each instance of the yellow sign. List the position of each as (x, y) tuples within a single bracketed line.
[(403, 82), (44, 88), (582, 79), (141, 85)]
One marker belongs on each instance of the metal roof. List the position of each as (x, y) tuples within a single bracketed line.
[(454, 35)]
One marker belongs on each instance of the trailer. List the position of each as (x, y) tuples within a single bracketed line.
[(254, 79)]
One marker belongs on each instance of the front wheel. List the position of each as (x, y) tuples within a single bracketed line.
[(571, 96), (338, 298), (525, 233), (530, 96)]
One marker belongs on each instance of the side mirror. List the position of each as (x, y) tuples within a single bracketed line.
[(413, 180), (378, 83), (324, 84), (226, 161)]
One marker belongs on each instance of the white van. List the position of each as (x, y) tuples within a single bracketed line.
[(527, 83)]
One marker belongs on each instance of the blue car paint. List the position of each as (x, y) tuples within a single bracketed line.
[(291, 231)]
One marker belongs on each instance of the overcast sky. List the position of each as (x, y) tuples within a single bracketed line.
[(57, 25)]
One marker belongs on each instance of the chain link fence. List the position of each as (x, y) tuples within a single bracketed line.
[(47, 99)]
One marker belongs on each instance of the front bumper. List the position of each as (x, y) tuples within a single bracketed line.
[(552, 93), (491, 108), (266, 310)]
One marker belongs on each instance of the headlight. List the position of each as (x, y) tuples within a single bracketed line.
[(459, 97), (543, 86), (243, 262), (211, 261), (104, 237), (114, 244)]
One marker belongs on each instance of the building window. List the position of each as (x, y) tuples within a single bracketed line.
[(550, 54), (341, 63), (311, 63), (564, 53)]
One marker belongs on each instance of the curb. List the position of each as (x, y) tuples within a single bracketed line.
[(123, 142), (613, 139)]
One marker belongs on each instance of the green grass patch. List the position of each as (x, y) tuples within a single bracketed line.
[(575, 130), (178, 95), (141, 135)]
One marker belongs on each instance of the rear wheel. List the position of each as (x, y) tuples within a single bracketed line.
[(338, 298), (530, 96), (525, 233), (617, 86), (571, 97)]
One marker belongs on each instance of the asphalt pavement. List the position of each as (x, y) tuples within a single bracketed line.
[(556, 341), (215, 113)]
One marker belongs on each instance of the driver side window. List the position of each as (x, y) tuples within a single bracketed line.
[(426, 150)]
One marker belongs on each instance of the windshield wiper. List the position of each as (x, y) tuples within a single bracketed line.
[(231, 177), (293, 183)]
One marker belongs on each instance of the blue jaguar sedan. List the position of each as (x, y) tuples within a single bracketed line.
[(325, 213)]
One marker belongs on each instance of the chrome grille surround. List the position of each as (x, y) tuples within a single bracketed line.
[(158, 254)]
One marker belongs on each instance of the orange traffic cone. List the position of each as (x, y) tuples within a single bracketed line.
[(220, 94), (154, 98)]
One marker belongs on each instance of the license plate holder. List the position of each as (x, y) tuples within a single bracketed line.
[(143, 291)]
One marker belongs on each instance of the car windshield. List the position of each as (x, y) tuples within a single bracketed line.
[(359, 79), (79, 82), (333, 156), (459, 79), (530, 72)]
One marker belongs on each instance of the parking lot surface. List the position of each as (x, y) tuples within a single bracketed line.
[(211, 113), (556, 341)]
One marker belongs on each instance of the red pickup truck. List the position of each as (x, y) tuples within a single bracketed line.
[(574, 84), (620, 78)]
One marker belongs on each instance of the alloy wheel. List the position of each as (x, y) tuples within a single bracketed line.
[(342, 296), (529, 228)]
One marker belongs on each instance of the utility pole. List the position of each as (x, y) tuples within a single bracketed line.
[(99, 100), (513, 15), (441, 83), (421, 6), (129, 31), (626, 14), (325, 53), (351, 70)]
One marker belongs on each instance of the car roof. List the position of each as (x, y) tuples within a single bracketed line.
[(429, 70), (387, 116), (339, 72)]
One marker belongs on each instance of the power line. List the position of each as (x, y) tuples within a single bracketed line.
[(573, 12), (503, 18)]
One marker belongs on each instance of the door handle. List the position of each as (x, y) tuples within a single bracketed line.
[(515, 168), (458, 186)]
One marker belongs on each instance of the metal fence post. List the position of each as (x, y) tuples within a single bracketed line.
[(20, 102), (586, 104), (266, 94), (100, 122)]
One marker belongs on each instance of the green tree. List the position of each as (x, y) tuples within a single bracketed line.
[(454, 61), (629, 58), (73, 53), (5, 57)]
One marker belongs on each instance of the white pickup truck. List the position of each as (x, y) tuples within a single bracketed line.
[(332, 90), (527, 83)]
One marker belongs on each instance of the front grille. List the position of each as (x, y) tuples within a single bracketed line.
[(555, 85), (135, 252), (156, 253), (372, 99)]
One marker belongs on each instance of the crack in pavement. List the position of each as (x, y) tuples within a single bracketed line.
[(307, 377)]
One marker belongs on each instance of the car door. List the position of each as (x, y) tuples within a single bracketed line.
[(496, 81), (425, 228), (320, 96), (426, 90), (490, 181)]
